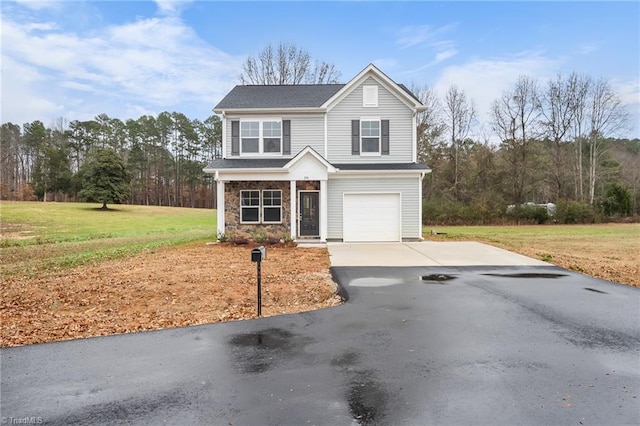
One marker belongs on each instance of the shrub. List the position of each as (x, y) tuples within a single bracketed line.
[(222, 237), (259, 235), (617, 201), (575, 212), (442, 211), (529, 213)]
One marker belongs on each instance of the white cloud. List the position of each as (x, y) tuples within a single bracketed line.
[(439, 57), (442, 56), (415, 35), (150, 64), (171, 7), (484, 80), (629, 92)]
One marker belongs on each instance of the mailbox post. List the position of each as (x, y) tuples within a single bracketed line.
[(258, 254)]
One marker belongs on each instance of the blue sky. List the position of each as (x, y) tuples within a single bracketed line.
[(77, 59)]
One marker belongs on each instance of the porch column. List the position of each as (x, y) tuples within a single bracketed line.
[(220, 201), (324, 210), (294, 213)]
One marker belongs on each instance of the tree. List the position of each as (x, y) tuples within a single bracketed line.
[(557, 109), (515, 121), (607, 117), (459, 116), (581, 88), (429, 130), (106, 179), (617, 201), (287, 64)]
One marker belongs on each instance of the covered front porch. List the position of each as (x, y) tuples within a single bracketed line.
[(293, 209), (282, 198)]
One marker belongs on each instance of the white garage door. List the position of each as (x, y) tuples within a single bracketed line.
[(371, 217)]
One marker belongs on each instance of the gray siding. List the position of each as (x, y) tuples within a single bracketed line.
[(407, 186), (389, 107), (305, 130)]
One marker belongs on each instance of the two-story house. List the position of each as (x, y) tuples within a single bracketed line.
[(331, 162)]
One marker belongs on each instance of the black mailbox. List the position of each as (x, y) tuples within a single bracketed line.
[(258, 254)]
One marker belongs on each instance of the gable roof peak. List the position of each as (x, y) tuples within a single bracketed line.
[(398, 89)]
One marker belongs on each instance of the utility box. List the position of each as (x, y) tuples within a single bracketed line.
[(258, 254)]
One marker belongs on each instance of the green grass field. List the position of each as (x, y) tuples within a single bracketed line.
[(44, 236)]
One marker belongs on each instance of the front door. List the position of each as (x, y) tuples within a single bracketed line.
[(309, 214)]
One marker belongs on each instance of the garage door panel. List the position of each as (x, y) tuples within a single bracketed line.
[(371, 217)]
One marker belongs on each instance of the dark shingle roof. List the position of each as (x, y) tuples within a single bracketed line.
[(286, 96), (248, 163), (406, 89)]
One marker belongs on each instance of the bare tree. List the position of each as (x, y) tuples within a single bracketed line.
[(607, 116), (459, 114), (581, 87), (428, 122), (287, 64), (516, 121), (557, 109)]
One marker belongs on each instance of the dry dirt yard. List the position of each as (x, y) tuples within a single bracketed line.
[(169, 287)]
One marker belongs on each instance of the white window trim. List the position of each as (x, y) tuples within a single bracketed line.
[(261, 122), (250, 207), (372, 154), (262, 206), (369, 96)]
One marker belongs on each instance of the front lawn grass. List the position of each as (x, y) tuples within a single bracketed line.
[(39, 237), (610, 251)]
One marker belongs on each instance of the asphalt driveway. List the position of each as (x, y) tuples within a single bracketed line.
[(529, 344)]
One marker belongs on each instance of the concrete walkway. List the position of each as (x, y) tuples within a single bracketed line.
[(425, 253)]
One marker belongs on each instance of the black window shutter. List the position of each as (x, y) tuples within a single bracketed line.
[(385, 137), (355, 137), (235, 138), (286, 137)]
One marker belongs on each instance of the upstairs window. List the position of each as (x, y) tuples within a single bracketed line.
[(272, 137), (369, 96), (250, 136), (258, 137), (370, 137)]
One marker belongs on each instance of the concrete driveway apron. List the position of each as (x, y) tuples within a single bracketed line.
[(525, 344), (427, 253)]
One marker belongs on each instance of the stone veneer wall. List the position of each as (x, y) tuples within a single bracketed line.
[(232, 207)]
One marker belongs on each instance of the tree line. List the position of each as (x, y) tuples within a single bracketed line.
[(554, 142), (165, 155)]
